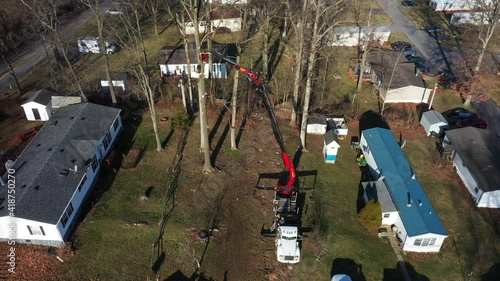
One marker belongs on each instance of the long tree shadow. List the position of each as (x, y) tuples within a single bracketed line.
[(248, 113), (398, 273), (274, 57), (493, 274), (219, 144), (348, 267), (371, 119), (217, 124), (168, 138)]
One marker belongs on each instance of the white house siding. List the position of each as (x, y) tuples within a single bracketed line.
[(401, 233), (369, 157), (219, 70), (351, 36), (490, 199), (466, 177), (468, 18), (118, 84), (234, 25), (452, 5), (316, 129), (391, 219), (44, 110), (412, 243), (409, 94), (12, 227)]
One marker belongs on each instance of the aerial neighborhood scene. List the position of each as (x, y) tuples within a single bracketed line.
[(204, 140)]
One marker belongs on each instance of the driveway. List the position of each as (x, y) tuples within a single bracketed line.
[(440, 58), (490, 112)]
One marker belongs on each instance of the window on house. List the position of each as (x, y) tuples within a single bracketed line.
[(387, 215), (95, 164), (69, 211), (115, 124), (432, 242), (106, 140), (417, 242), (36, 230), (64, 219), (82, 182), (425, 242)]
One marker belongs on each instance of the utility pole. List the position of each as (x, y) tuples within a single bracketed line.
[(433, 94)]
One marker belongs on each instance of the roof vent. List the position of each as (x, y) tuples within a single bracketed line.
[(73, 161), (83, 118), (23, 186), (37, 187), (71, 118), (50, 149), (419, 202), (38, 145), (64, 173), (53, 123), (61, 150)]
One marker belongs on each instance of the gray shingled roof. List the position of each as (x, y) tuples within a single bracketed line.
[(330, 137), (480, 152), (41, 96), (69, 138), (378, 191), (177, 55), (383, 62)]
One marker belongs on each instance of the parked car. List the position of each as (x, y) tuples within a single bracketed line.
[(460, 112), (400, 45), (434, 29), (422, 68), (472, 122), (414, 59), (409, 3), (409, 52)]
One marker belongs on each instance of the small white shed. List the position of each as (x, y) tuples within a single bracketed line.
[(331, 147), (39, 106), (316, 125), (433, 122), (119, 80)]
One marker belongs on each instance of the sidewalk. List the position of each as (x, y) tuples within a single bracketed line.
[(397, 250)]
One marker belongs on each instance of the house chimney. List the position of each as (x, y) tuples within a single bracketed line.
[(419, 203)]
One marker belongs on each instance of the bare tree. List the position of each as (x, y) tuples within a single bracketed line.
[(365, 50), (46, 12), (298, 21), (325, 15), (491, 16), (95, 7), (140, 68), (153, 9), (193, 10)]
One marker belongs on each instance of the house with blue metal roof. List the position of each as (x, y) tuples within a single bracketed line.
[(417, 225)]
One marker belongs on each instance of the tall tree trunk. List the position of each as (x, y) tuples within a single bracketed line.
[(100, 27), (365, 50), (299, 37), (210, 61), (12, 73), (310, 73), (205, 145), (234, 100)]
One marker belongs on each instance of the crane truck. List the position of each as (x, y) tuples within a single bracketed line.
[(286, 221)]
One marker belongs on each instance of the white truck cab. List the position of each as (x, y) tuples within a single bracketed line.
[(287, 244)]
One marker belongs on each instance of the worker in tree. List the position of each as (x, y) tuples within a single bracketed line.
[(361, 160)]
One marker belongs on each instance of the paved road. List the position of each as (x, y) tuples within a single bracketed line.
[(439, 57), (31, 57)]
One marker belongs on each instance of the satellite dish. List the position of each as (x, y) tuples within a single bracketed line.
[(9, 164), (341, 277)]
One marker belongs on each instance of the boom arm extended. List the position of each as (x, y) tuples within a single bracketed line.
[(289, 188)]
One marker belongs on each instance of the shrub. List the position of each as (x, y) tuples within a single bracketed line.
[(181, 120), (370, 217)]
